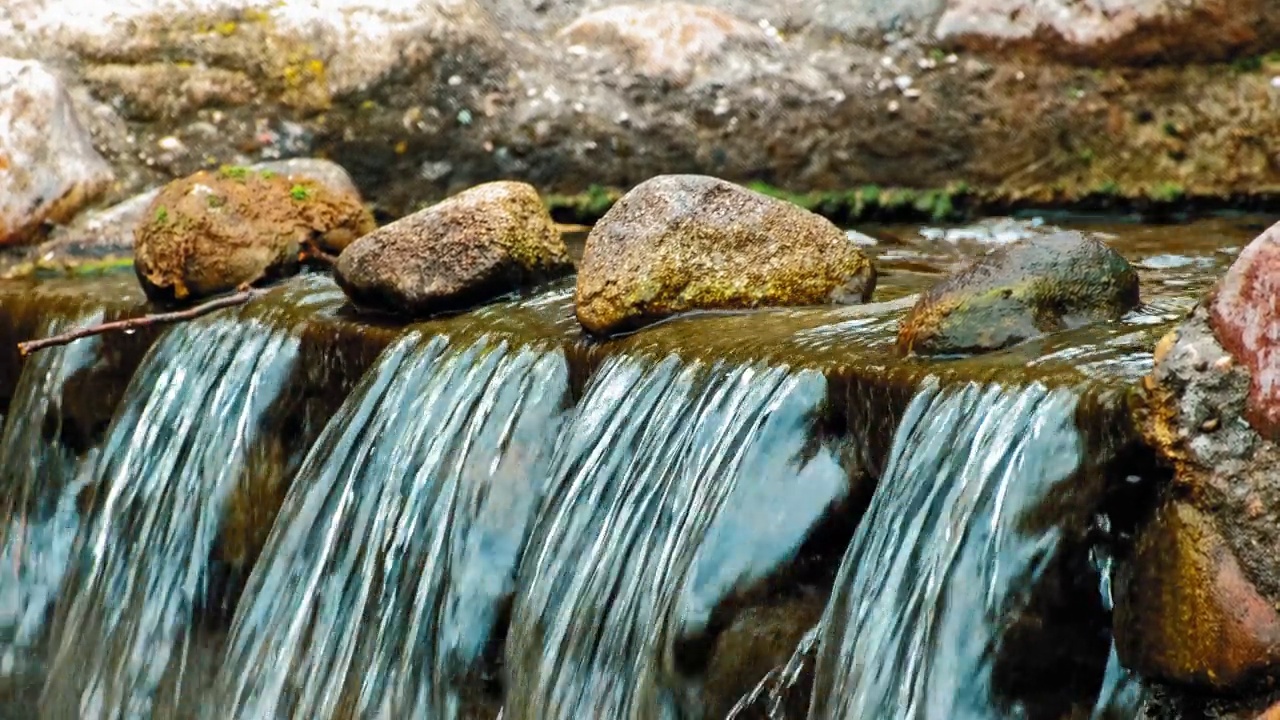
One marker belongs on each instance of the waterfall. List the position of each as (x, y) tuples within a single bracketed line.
[(174, 454), (395, 553), (38, 490), (939, 563), (675, 485)]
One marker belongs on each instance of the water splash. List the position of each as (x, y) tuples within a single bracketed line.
[(173, 456), (38, 490), (382, 582), (938, 563), (774, 687), (676, 485)]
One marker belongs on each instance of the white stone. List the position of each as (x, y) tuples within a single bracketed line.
[(49, 168)]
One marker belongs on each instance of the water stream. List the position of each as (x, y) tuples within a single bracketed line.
[(172, 458), (39, 485), (676, 484), (395, 554)]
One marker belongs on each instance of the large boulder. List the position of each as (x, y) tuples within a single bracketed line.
[(1039, 285), (1197, 600), (49, 168), (480, 244), (213, 231), (677, 243)]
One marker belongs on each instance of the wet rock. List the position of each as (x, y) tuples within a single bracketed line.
[(668, 40), (1021, 291), (213, 231), (677, 243), (1187, 612), (1197, 601), (49, 168), (1246, 321), (475, 246)]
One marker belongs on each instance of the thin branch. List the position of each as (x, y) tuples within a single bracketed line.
[(311, 252), (240, 297)]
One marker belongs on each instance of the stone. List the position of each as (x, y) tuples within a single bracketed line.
[(1021, 291), (49, 168), (1246, 320), (476, 246), (1197, 599), (677, 243), (214, 231), (1186, 612), (1109, 31), (665, 40)]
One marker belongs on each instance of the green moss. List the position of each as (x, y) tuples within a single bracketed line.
[(1109, 188), (162, 214), (299, 193), (234, 172), (1168, 192), (216, 201), (266, 174)]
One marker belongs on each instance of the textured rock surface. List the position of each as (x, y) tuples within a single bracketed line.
[(1196, 603), (475, 246), (1031, 287), (666, 40), (211, 232), (1246, 320), (420, 99), (1189, 613), (49, 168), (687, 242)]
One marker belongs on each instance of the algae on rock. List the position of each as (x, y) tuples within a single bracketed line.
[(677, 243), (213, 231)]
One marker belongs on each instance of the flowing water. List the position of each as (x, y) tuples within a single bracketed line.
[(380, 589), (171, 460), (938, 563), (676, 484), (556, 528), (39, 484)]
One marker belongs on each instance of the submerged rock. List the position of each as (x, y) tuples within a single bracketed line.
[(480, 244), (213, 231), (689, 242), (49, 168), (1035, 286)]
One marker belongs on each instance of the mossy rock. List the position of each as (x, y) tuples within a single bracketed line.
[(1031, 287), (213, 231), (481, 244), (677, 243)]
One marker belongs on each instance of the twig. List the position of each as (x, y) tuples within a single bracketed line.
[(312, 252), (240, 297)]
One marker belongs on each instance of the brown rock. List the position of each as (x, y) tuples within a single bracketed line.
[(1104, 31), (687, 242), (475, 246), (1185, 610), (1038, 285), (1246, 319), (49, 168), (667, 40), (213, 231)]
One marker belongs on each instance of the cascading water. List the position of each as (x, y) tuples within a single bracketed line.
[(38, 491), (675, 485), (384, 578), (938, 562), (173, 456)]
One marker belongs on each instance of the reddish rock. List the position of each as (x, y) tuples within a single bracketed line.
[(1245, 314), (1185, 610)]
